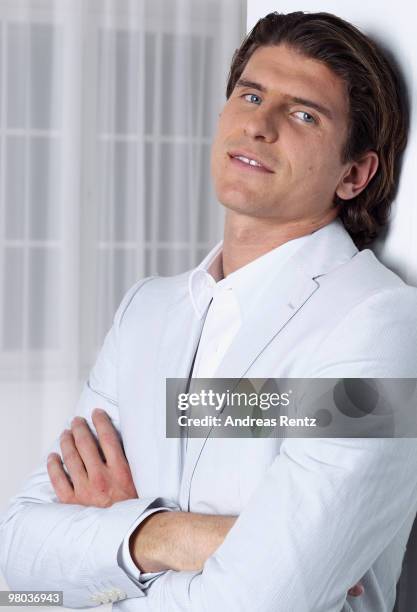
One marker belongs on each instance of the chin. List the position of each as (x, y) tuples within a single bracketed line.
[(233, 196), (247, 207), (237, 202)]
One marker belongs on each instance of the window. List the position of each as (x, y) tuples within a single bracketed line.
[(106, 116)]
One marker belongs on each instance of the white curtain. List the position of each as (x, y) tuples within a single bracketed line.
[(107, 109)]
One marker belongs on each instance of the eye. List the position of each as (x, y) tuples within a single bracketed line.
[(305, 117), (252, 98)]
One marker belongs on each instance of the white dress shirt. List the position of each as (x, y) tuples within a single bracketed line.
[(225, 303)]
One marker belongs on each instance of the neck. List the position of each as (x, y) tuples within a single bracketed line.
[(247, 238)]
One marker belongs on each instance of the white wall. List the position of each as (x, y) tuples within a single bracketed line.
[(393, 24)]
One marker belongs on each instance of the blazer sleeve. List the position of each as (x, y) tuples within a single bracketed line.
[(46, 545), (326, 508)]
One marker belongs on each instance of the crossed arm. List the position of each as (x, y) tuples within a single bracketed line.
[(96, 473), (99, 475)]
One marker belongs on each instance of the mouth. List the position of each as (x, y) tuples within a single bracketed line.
[(247, 161)]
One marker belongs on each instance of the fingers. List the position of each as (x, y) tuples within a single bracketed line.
[(86, 446), (108, 438), (356, 590), (59, 479), (72, 459)]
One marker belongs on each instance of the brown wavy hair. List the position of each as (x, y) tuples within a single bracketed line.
[(378, 112)]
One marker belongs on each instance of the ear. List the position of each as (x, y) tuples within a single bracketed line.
[(357, 176)]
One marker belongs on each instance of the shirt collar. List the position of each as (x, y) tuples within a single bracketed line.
[(202, 280), (205, 280)]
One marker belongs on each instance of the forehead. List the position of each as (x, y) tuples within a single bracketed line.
[(286, 71)]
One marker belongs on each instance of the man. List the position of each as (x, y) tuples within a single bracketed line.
[(304, 160)]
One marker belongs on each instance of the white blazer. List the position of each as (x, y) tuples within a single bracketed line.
[(315, 515)]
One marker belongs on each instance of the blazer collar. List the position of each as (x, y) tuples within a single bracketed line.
[(327, 249)]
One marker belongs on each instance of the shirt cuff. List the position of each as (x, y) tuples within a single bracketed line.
[(144, 580)]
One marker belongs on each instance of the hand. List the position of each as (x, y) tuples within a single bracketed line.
[(356, 590), (99, 472)]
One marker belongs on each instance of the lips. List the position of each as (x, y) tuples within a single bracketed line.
[(250, 159)]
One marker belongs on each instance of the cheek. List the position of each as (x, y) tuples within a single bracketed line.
[(216, 157), (219, 139), (225, 135), (319, 158), (213, 161), (229, 127)]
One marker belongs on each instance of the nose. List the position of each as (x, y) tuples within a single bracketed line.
[(262, 125)]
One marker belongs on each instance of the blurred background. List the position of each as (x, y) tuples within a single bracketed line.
[(107, 111)]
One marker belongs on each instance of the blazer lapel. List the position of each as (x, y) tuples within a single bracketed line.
[(178, 345), (180, 340)]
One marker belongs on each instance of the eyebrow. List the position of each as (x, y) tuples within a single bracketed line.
[(293, 99)]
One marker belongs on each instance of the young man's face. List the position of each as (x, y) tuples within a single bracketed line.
[(290, 113)]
